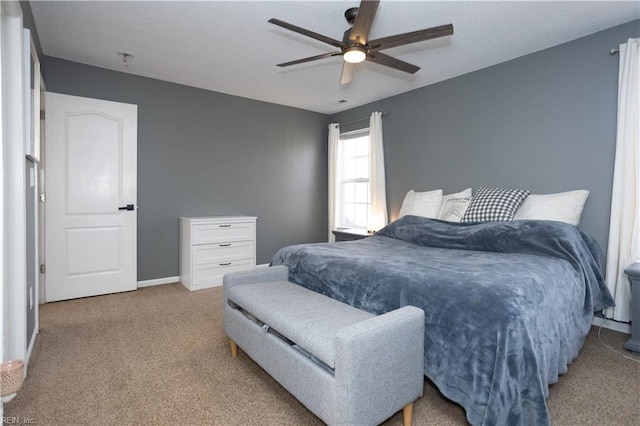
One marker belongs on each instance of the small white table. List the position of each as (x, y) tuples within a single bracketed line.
[(633, 272)]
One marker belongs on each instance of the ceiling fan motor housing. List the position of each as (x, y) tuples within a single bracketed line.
[(350, 14)]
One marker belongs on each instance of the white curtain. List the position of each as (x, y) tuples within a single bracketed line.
[(624, 231), (378, 218), (334, 141)]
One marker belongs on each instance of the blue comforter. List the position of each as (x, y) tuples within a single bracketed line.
[(508, 304)]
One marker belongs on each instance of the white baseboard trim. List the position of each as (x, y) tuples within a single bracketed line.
[(32, 343), (612, 325), (173, 280), (158, 281)]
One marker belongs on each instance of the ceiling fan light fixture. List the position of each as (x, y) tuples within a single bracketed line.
[(356, 47), (354, 55)]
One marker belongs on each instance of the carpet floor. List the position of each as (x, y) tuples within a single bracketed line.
[(159, 356)]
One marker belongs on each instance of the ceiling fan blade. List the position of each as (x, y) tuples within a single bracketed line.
[(348, 69), (361, 26), (411, 37), (308, 33), (309, 59), (386, 60)]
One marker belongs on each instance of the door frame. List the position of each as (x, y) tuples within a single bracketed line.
[(42, 191), (13, 217), (37, 157)]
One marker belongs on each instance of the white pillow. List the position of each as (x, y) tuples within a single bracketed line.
[(562, 207), (453, 209), (462, 194), (426, 204)]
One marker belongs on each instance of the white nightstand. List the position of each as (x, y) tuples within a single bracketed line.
[(633, 272), (345, 234)]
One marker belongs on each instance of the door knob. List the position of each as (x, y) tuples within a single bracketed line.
[(127, 207)]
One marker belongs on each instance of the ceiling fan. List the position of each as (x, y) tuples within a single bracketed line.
[(356, 47)]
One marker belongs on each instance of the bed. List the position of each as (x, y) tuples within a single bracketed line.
[(507, 304)]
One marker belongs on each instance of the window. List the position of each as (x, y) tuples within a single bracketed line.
[(354, 201), (356, 187)]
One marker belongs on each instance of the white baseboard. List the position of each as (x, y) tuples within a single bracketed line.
[(32, 343), (158, 281), (622, 327), (173, 280)]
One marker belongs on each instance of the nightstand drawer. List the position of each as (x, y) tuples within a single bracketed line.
[(211, 274), (218, 252), (223, 232)]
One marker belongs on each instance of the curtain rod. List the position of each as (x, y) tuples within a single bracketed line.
[(614, 51), (357, 121)]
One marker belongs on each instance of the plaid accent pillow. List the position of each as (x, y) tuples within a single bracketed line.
[(494, 204)]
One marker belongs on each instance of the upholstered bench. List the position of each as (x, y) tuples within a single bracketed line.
[(347, 366)]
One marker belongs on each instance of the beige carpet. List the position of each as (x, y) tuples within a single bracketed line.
[(159, 356)]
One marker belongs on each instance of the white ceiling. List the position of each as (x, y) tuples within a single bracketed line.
[(229, 47)]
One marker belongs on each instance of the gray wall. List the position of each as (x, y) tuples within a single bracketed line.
[(544, 122), (203, 153)]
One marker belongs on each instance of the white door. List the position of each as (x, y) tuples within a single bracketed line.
[(91, 149)]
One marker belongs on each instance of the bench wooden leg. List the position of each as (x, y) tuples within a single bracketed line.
[(234, 349), (407, 415)]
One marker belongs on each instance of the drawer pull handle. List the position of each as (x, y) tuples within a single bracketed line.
[(225, 264), (224, 245), (224, 226)]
